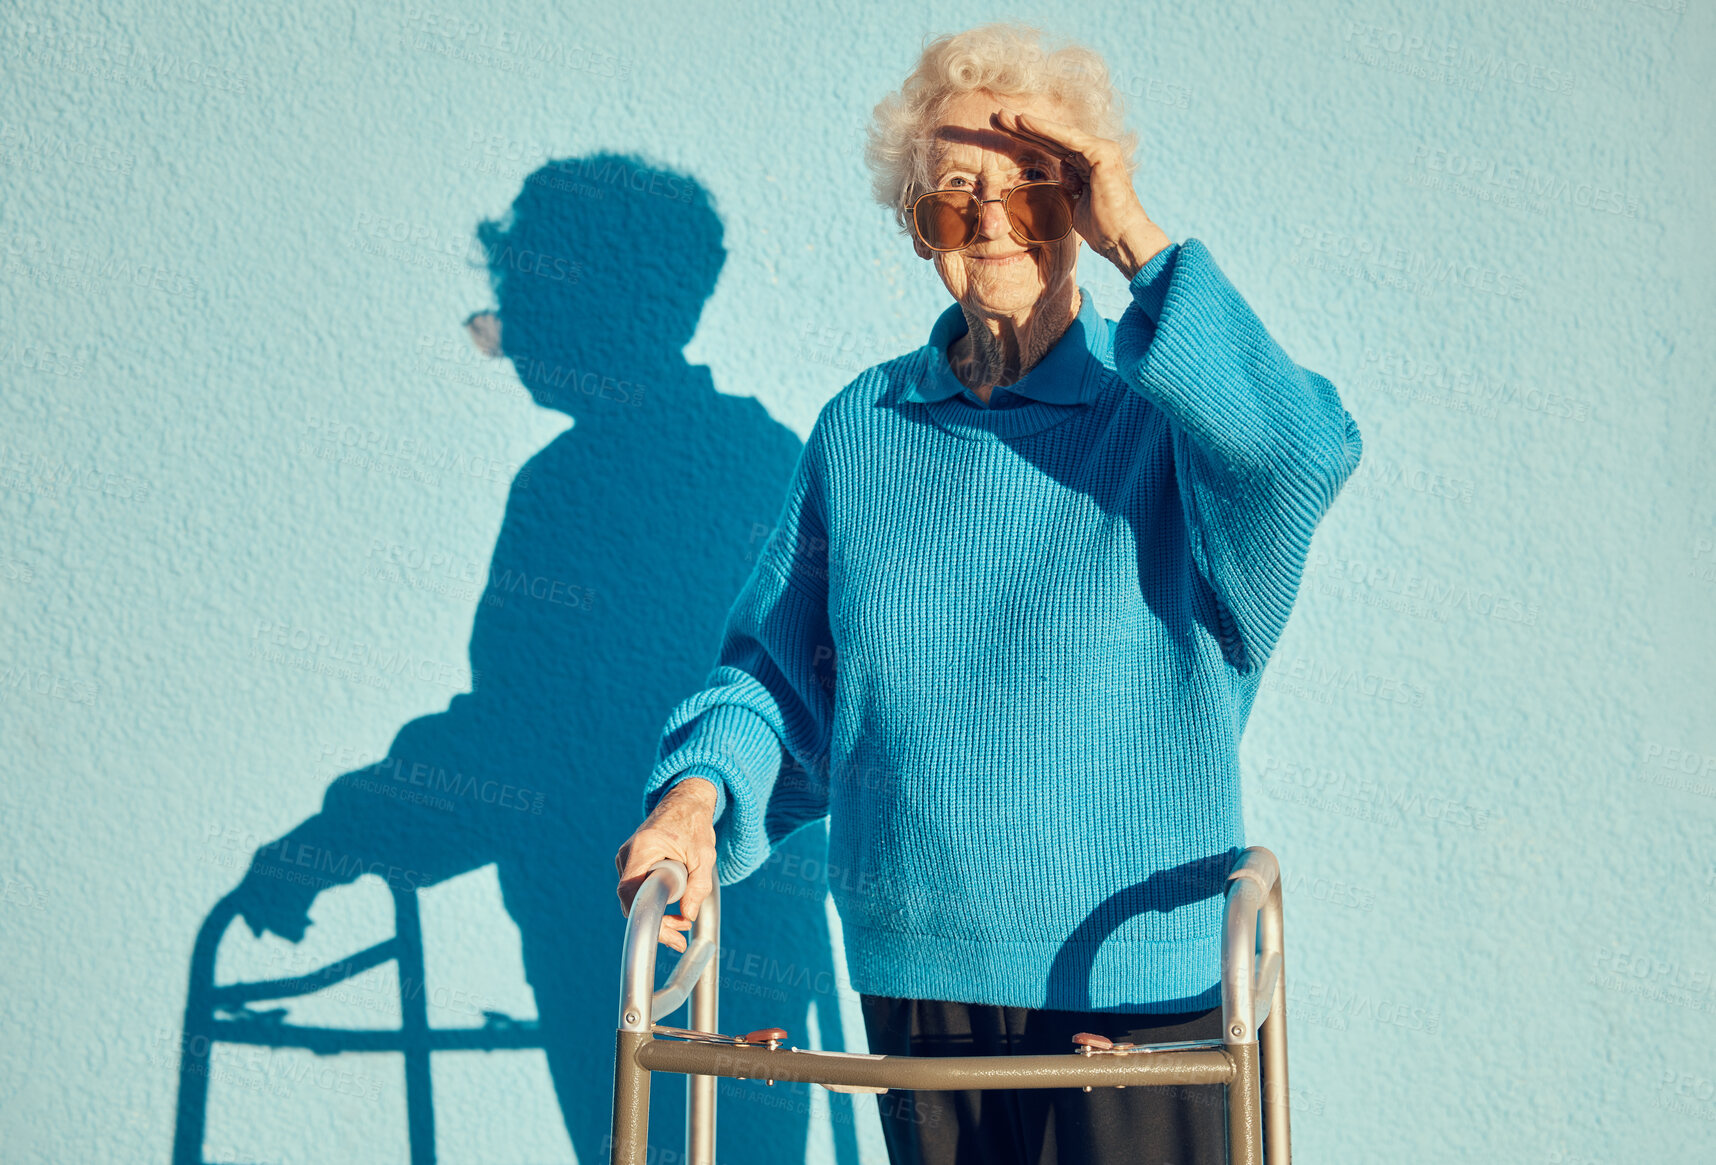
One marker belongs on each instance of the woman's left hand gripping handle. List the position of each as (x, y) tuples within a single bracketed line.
[(681, 827)]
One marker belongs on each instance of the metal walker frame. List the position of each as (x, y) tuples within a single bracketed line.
[(1252, 972)]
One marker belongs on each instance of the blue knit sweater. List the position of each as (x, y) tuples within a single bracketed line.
[(1010, 653)]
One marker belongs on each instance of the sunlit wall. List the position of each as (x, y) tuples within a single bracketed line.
[(414, 385)]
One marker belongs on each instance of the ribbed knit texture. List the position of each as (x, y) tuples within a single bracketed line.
[(1010, 653)]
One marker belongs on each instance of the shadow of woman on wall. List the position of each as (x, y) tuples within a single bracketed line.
[(624, 543)]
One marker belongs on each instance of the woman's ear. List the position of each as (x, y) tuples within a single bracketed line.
[(918, 246)]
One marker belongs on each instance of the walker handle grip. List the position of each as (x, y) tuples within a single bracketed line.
[(674, 877), (1248, 975), (641, 1007)]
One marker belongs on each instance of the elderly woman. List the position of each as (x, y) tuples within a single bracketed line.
[(1010, 625)]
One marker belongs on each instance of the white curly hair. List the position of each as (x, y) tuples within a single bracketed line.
[(1006, 59)]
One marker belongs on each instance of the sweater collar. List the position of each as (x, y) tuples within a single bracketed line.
[(1060, 377)]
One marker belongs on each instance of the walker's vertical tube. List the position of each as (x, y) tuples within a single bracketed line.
[(1253, 900), (1272, 1037), (705, 1017), (1244, 1130), (629, 1141)]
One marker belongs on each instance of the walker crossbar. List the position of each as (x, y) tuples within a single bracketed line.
[(1253, 993)]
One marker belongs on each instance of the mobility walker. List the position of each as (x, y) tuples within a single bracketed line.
[(1253, 992)]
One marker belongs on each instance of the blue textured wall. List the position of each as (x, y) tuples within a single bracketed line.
[(255, 470)]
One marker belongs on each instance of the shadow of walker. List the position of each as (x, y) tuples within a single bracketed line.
[(625, 541)]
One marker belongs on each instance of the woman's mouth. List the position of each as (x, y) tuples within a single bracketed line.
[(999, 260)]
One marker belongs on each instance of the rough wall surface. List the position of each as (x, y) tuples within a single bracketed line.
[(270, 515)]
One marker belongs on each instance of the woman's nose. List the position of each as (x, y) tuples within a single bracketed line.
[(992, 220)]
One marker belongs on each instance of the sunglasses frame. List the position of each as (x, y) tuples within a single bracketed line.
[(1006, 198)]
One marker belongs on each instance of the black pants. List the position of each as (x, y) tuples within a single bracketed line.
[(1160, 1125)]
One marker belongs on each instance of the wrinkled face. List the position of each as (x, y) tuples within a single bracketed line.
[(998, 272)]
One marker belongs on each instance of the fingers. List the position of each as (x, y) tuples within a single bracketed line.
[(631, 877), (681, 829), (670, 935), (641, 852), (697, 887), (636, 862), (630, 884), (1058, 136), (640, 855)]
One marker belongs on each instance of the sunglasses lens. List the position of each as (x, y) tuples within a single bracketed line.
[(1039, 212), (946, 220)]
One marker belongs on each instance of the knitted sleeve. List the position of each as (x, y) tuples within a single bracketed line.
[(760, 727), (1261, 446)]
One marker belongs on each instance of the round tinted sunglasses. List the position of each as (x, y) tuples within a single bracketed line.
[(947, 220)]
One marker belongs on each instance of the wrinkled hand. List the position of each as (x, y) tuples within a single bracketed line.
[(1107, 214), (681, 827)]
